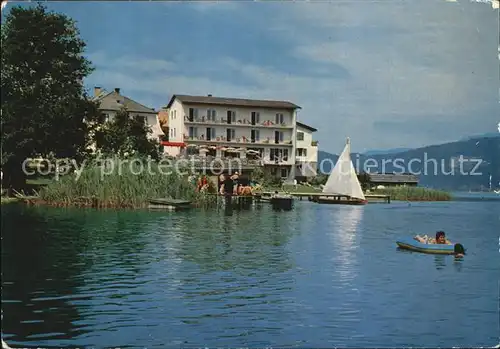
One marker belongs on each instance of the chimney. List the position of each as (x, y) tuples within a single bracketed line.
[(209, 95), (97, 91), (117, 90)]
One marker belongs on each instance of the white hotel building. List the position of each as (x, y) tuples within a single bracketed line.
[(233, 127)]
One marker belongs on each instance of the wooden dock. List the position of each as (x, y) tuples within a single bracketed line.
[(369, 197)]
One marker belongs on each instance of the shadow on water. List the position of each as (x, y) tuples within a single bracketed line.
[(440, 261), (38, 283), (50, 257)]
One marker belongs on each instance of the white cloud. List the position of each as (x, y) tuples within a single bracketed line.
[(408, 63), (137, 63)]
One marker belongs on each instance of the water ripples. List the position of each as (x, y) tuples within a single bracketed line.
[(316, 276)]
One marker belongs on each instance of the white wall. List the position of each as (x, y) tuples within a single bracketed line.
[(241, 113), (176, 127), (151, 119), (310, 159), (243, 133), (306, 143)]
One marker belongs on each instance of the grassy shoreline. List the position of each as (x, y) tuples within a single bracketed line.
[(127, 187), (396, 193), (414, 194)]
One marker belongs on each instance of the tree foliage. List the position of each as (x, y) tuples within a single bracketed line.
[(126, 135), (365, 180), (44, 103)]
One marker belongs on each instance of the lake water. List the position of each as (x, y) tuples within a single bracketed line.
[(317, 276)]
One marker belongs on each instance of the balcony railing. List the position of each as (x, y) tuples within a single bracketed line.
[(228, 162), (218, 162), (238, 140), (240, 122)]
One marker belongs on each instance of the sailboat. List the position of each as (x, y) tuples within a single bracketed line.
[(343, 182)]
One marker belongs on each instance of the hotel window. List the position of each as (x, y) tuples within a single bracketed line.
[(230, 134), (254, 136), (211, 114), (231, 116), (279, 119), (278, 137), (193, 132), (175, 114), (255, 118), (193, 114), (279, 154), (210, 133), (300, 136), (284, 172), (301, 152)]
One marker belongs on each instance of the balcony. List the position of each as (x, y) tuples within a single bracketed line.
[(238, 123), (238, 140), (278, 162), (211, 162)]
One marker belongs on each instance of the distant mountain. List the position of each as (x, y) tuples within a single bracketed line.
[(462, 165), (387, 151)]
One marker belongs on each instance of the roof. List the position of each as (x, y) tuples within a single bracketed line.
[(109, 101), (392, 178), (307, 127), (236, 102)]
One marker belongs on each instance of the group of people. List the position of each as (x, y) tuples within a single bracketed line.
[(234, 185)]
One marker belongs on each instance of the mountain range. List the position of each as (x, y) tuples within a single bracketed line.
[(463, 165)]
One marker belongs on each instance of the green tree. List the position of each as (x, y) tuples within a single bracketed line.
[(44, 103), (365, 180), (126, 135)]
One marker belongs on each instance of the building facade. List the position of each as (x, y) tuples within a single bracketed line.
[(306, 152), (234, 128), (112, 102)]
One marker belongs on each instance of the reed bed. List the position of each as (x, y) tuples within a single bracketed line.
[(414, 194), (127, 188)]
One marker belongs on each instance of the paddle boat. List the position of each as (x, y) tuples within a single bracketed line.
[(409, 243)]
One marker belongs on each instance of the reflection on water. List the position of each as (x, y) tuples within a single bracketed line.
[(440, 261), (318, 275), (344, 237)]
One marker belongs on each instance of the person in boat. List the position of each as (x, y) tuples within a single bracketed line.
[(440, 239)]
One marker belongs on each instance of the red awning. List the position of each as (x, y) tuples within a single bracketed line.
[(173, 144)]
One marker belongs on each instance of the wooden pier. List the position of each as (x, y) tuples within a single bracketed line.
[(310, 196)]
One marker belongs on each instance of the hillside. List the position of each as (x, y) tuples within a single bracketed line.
[(483, 152)]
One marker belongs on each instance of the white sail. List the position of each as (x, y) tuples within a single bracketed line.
[(343, 179)]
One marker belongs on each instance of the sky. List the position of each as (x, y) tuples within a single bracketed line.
[(386, 73)]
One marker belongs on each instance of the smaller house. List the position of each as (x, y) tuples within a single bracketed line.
[(393, 180), (111, 102), (306, 152)]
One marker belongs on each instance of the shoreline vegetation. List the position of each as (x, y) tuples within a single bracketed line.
[(401, 193), (414, 194), (126, 188)]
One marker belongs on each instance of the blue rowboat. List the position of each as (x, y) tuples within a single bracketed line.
[(411, 244)]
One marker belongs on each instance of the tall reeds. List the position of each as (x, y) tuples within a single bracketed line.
[(407, 193), (125, 187)]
